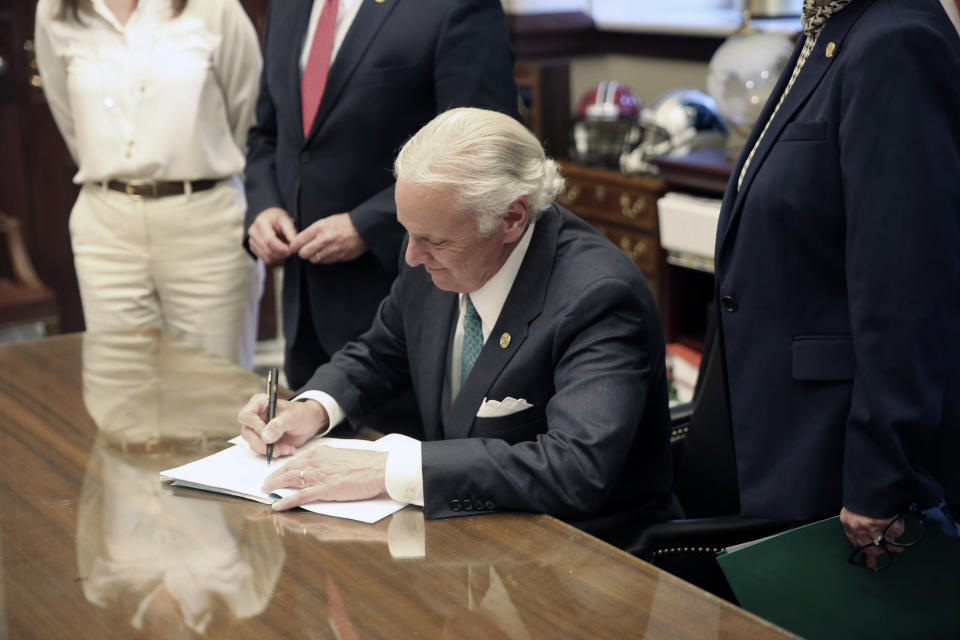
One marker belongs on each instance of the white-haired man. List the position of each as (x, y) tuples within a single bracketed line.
[(532, 344)]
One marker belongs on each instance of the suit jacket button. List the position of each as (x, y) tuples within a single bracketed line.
[(729, 303), (468, 505), (490, 505), (455, 505), (478, 505), (305, 156)]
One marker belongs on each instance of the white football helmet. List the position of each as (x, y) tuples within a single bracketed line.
[(677, 122)]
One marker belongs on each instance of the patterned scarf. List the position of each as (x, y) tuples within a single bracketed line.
[(814, 17)]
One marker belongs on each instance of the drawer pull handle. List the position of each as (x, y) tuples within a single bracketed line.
[(600, 192), (632, 210), (571, 194), (636, 251)]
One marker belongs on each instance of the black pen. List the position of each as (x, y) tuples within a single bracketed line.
[(271, 403)]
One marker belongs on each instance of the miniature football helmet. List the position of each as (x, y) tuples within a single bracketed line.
[(605, 125), (677, 122)]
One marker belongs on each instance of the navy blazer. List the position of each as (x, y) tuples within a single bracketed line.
[(838, 274), (585, 349), (401, 63)]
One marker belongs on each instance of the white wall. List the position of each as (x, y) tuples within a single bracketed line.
[(546, 6), (647, 77)]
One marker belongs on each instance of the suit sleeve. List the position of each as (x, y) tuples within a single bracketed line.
[(900, 158), (605, 358), (261, 185), (473, 68)]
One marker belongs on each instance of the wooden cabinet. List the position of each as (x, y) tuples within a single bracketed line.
[(687, 293), (623, 208), (543, 88)]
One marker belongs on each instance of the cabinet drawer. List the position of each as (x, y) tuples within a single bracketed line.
[(611, 203), (611, 196), (642, 248)]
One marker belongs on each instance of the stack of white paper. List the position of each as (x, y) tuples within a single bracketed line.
[(238, 471)]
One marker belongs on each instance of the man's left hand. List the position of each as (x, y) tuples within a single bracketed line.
[(329, 474), (329, 240)]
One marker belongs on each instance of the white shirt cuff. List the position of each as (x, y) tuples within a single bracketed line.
[(404, 474), (334, 411), (406, 535)]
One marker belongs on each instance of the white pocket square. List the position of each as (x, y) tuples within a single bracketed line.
[(500, 408)]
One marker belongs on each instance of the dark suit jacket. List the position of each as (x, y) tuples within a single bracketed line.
[(402, 62), (838, 274), (585, 349)]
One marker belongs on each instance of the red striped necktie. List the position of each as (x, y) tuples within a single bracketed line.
[(318, 63)]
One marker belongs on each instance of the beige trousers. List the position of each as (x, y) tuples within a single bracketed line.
[(174, 263)]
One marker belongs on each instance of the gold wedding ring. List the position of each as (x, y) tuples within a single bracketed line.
[(304, 484), (316, 257)]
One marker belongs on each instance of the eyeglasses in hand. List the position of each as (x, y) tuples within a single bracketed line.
[(906, 530)]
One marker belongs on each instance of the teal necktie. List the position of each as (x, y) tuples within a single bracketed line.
[(472, 340)]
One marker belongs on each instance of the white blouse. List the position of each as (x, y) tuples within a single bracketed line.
[(159, 98)]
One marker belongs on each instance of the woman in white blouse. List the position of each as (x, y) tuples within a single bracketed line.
[(154, 99)]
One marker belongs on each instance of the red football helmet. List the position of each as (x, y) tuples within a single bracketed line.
[(606, 125)]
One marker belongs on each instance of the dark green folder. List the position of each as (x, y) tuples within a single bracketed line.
[(801, 580)]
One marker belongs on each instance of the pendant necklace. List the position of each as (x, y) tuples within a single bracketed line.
[(109, 102)]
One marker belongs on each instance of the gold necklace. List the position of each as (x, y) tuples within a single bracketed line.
[(108, 100)]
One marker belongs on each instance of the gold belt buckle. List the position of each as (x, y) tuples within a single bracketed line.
[(131, 188)]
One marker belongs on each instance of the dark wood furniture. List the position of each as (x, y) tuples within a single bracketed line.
[(623, 208), (543, 86), (24, 298), (94, 546), (705, 172), (688, 293)]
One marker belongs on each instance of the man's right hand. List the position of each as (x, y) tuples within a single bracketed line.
[(270, 235), (294, 424)]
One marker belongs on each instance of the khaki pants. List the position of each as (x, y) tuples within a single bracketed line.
[(174, 263)]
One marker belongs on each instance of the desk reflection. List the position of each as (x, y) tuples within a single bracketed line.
[(171, 564), (157, 561), (466, 582), (143, 391)]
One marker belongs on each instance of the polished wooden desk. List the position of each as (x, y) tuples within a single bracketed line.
[(94, 546)]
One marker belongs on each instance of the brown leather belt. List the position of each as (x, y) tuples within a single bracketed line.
[(143, 189)]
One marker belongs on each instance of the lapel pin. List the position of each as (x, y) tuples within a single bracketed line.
[(831, 48), (379, 1), (504, 340)]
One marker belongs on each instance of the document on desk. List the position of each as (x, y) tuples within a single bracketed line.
[(238, 471)]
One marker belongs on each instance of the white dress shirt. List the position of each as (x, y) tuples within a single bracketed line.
[(345, 15), (404, 474), (159, 98)]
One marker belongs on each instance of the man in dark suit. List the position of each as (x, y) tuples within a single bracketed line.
[(564, 410), (838, 274), (318, 178)]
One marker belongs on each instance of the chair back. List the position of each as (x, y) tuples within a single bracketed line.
[(24, 298), (706, 481)]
